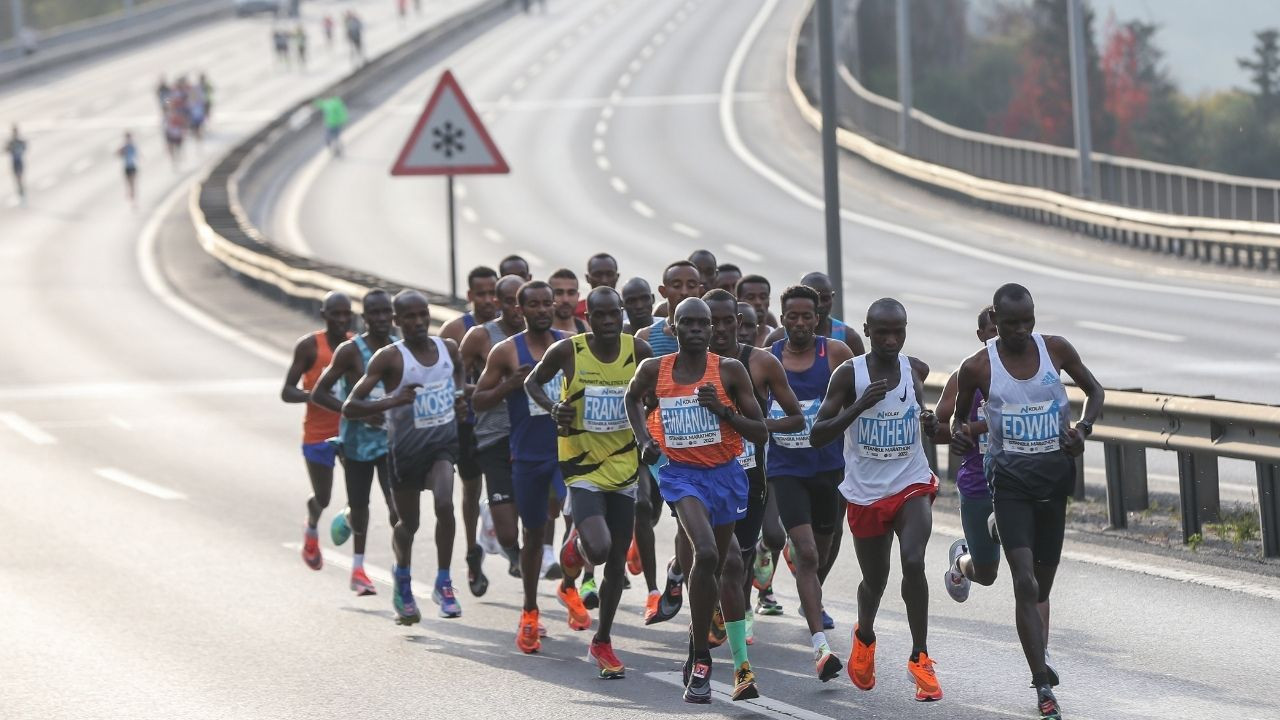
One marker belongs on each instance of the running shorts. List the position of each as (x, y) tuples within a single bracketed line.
[(813, 500), (468, 468), (876, 519), (617, 508), (534, 481), (721, 489), (495, 463), (321, 453), (1035, 524), (414, 470), (748, 528)]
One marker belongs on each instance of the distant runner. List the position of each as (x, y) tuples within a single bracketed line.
[(17, 149), (515, 265), (128, 153), (602, 271), (755, 290), (727, 277), (564, 286)]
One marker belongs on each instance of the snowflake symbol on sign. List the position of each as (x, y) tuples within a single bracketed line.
[(448, 139)]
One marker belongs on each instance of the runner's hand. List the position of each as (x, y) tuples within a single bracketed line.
[(709, 399), (874, 393), (1074, 445), (563, 414), (405, 395), (929, 422), (650, 451), (961, 442)]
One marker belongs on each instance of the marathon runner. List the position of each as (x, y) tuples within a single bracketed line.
[(564, 285), (768, 379), (515, 265), (535, 473), (490, 431), (877, 402), (602, 271), (755, 290), (637, 300), (425, 398), (706, 407), (705, 264), (597, 452), (311, 354), (1029, 465), (827, 325), (804, 476), (482, 295), (727, 277), (362, 444), (128, 153), (976, 556), (17, 149)]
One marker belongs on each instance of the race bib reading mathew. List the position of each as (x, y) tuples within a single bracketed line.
[(603, 409), (1032, 428), (888, 434), (433, 405), (552, 388), (687, 424), (796, 440)]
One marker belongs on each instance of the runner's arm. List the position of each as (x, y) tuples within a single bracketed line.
[(1094, 394), (840, 407), (356, 406), (322, 393), (966, 388), (459, 380), (475, 349), (304, 354), (499, 378), (928, 420), (553, 361), (775, 378), (642, 386), (748, 420)]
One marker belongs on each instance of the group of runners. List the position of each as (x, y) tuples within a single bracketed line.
[(757, 431)]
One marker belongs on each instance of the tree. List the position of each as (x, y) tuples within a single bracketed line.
[(1264, 69)]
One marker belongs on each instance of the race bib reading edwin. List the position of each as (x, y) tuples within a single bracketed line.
[(553, 389), (687, 424), (433, 405), (603, 409), (889, 434), (1031, 429), (808, 408)]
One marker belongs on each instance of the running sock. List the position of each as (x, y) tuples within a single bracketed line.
[(915, 653), (737, 630), (400, 573), (312, 533), (442, 577), (819, 641), (357, 562), (866, 640), (674, 577)]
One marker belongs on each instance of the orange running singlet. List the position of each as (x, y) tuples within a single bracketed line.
[(319, 424), (687, 432)]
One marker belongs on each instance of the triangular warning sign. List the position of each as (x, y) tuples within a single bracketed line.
[(449, 138)]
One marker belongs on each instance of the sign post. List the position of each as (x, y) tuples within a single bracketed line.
[(449, 140)]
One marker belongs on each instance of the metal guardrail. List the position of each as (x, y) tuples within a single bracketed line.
[(1200, 215), (1199, 430), (223, 227)]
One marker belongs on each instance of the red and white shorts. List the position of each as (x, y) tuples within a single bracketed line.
[(876, 519)]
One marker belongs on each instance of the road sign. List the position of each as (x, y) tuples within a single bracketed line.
[(449, 138)]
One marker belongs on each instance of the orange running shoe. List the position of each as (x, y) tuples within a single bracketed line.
[(862, 662), (717, 634), (570, 559), (601, 653), (635, 565), (651, 607), (579, 618), (921, 671), (527, 634)]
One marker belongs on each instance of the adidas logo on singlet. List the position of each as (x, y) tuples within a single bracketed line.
[(1049, 379)]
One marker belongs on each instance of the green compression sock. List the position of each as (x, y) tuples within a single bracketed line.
[(737, 630)]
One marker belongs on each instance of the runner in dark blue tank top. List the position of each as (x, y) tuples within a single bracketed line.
[(806, 479)]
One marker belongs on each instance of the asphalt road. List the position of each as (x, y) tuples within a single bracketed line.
[(153, 493)]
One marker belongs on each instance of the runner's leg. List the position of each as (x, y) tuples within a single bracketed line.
[(873, 558), (913, 527), (321, 477), (441, 483), (359, 480)]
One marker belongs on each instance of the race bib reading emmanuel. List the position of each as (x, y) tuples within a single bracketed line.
[(687, 424)]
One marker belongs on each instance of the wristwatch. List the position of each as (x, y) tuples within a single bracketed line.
[(1086, 427)]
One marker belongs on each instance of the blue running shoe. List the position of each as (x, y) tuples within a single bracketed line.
[(402, 598), (340, 529), (827, 622), (448, 602)]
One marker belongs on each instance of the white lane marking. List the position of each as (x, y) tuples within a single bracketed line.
[(742, 252), (635, 65), (646, 52), (1131, 332), (602, 162), (26, 429), (597, 146), (670, 26), (492, 235), (935, 301), (1151, 568), (45, 183), (602, 127), (606, 112), (618, 185), (120, 422), (469, 214), (642, 209), (659, 39), (519, 84), (624, 80), (148, 266), (615, 98), (121, 477), (686, 230), (459, 190), (532, 259), (764, 707), (504, 101), (81, 165), (64, 391), (728, 125)]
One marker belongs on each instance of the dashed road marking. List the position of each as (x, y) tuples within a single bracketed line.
[(618, 184), (602, 162), (1131, 332), (26, 429), (935, 301), (742, 252), (686, 230), (469, 214), (121, 477), (492, 235), (642, 209)]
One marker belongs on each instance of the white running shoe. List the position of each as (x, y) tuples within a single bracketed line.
[(957, 584)]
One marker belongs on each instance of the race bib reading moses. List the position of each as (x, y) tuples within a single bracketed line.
[(552, 388), (687, 424), (433, 405), (603, 409), (888, 434), (808, 408), (1032, 428)]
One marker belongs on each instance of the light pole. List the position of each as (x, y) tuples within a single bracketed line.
[(1080, 98), (830, 162), (904, 74)]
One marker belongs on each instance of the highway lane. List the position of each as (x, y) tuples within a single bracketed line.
[(153, 493), (626, 147)]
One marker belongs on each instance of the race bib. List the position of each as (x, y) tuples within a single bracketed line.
[(888, 434), (687, 424), (982, 439), (1032, 428), (747, 460), (604, 409), (433, 405), (808, 408), (552, 388)]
